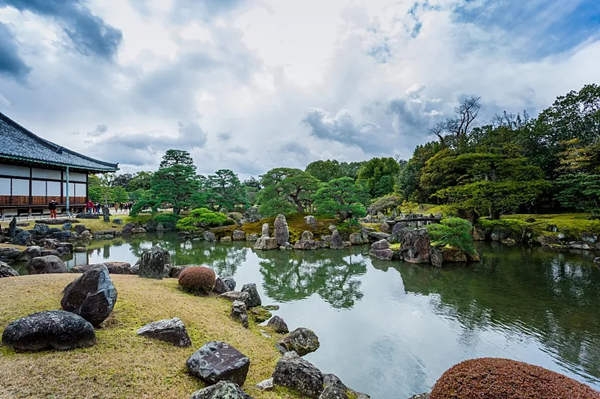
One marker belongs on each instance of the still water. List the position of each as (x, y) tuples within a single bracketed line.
[(390, 329)]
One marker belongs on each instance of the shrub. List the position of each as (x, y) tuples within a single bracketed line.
[(507, 379), (168, 220), (203, 218), (454, 232), (349, 226), (197, 279)]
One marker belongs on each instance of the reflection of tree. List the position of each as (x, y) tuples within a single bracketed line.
[(224, 259), (291, 275), (551, 296)]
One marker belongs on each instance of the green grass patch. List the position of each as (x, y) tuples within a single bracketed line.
[(571, 224), (123, 364)]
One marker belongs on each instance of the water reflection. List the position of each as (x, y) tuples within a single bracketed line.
[(295, 275)]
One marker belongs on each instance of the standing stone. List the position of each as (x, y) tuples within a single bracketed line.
[(209, 236), (153, 263), (12, 228), (218, 361), (336, 240), (436, 257), (415, 245), (253, 296), (310, 220), (46, 264), (221, 390), (301, 340), (281, 231), (265, 230), (92, 296), (239, 312), (7, 271), (54, 329), (294, 372), (168, 330), (106, 213), (278, 325)]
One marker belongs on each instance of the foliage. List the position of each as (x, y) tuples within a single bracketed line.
[(202, 218), (379, 175), (168, 220), (286, 191), (174, 183), (454, 232), (385, 203), (198, 280), (349, 226), (141, 180), (342, 198), (221, 190)]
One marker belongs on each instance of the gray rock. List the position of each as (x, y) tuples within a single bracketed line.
[(265, 385), (278, 325), (377, 235), (253, 296), (40, 229), (10, 254), (54, 329), (224, 284), (209, 236), (22, 237), (252, 237), (225, 239), (238, 235), (415, 245), (597, 260), (266, 243), (334, 388), (218, 361), (356, 239), (67, 226), (85, 235), (62, 235), (235, 296), (153, 263), (336, 240), (381, 250), (294, 372), (239, 312), (168, 330), (301, 340), (7, 271), (113, 267), (46, 264), (33, 251), (92, 296), (306, 241), (221, 390), (265, 230), (436, 257), (79, 228), (281, 231), (47, 252)]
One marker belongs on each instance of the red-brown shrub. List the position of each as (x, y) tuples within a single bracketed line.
[(197, 279), (507, 379)]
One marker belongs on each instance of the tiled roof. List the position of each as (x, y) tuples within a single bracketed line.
[(18, 143)]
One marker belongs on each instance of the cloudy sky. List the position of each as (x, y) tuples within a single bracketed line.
[(254, 84)]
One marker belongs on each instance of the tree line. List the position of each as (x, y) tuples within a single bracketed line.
[(513, 163)]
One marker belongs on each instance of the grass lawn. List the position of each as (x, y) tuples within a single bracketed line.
[(123, 364)]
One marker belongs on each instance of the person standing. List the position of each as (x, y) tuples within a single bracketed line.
[(52, 207)]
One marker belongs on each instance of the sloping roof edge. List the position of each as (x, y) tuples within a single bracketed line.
[(101, 165)]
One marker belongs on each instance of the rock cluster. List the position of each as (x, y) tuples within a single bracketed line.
[(168, 330)]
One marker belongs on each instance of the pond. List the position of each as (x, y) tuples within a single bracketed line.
[(390, 329)]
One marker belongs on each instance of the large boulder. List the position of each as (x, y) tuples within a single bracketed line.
[(294, 372), (224, 284), (264, 232), (40, 229), (22, 237), (238, 235), (454, 255), (54, 329), (239, 312), (336, 240), (301, 340), (10, 254), (356, 239), (253, 296), (153, 263), (7, 271), (306, 241), (266, 243), (381, 250), (415, 245), (169, 330), (278, 325), (92, 296), (236, 296), (218, 361), (334, 388), (113, 267), (281, 231), (507, 379), (221, 390), (46, 264)]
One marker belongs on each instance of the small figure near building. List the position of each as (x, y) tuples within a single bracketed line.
[(52, 207), (89, 207)]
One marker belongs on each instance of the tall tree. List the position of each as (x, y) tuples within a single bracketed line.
[(342, 198), (225, 191), (379, 175), (286, 190), (175, 181)]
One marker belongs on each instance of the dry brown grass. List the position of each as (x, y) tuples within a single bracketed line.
[(122, 364)]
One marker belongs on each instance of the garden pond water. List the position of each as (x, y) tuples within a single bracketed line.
[(390, 329)]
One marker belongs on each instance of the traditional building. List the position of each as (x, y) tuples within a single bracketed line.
[(34, 171)]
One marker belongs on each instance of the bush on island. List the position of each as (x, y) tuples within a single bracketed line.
[(197, 279), (507, 379), (454, 232), (203, 218)]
